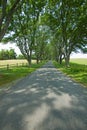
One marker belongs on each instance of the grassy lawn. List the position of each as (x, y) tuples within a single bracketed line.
[(79, 61), (77, 72), (7, 76)]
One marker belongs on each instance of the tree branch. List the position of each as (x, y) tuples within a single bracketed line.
[(7, 19)]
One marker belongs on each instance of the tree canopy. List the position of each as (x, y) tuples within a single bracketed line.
[(7, 9), (51, 29)]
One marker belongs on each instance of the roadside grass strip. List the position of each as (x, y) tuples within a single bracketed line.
[(78, 72), (7, 76)]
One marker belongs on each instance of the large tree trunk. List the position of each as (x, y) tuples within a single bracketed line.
[(37, 60), (67, 59), (29, 61), (60, 60), (60, 57), (29, 58)]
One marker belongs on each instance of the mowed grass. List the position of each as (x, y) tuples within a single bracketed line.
[(7, 76), (79, 61), (77, 72)]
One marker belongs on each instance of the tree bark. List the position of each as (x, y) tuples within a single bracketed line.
[(67, 58), (60, 59), (37, 60), (29, 58)]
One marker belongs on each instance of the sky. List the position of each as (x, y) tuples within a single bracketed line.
[(8, 46), (13, 46)]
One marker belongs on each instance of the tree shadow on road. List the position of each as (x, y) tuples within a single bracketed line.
[(46, 100)]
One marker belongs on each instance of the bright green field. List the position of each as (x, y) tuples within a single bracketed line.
[(79, 61)]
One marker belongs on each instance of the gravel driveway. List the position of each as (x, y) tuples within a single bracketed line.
[(45, 100)]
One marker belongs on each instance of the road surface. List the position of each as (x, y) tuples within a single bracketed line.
[(44, 100)]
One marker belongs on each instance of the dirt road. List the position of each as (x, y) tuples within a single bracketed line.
[(45, 100)]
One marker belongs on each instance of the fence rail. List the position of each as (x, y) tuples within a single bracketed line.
[(9, 66)]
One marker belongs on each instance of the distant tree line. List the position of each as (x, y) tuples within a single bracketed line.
[(7, 54), (10, 54)]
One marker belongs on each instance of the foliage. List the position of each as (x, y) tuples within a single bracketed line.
[(26, 20), (7, 54), (66, 20), (7, 9), (59, 26), (41, 43), (20, 57)]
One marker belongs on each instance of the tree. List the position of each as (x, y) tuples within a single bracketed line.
[(12, 54), (7, 9), (7, 54), (20, 57), (41, 41), (65, 23), (67, 18), (26, 20)]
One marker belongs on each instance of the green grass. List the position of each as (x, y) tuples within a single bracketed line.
[(7, 76), (79, 61), (77, 72)]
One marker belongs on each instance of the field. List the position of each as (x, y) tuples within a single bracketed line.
[(79, 61), (5, 62), (13, 63)]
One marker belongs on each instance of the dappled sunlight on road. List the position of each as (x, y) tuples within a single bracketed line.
[(61, 101), (35, 119), (16, 107), (20, 91), (45, 100)]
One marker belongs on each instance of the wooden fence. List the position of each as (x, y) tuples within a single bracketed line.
[(9, 66)]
